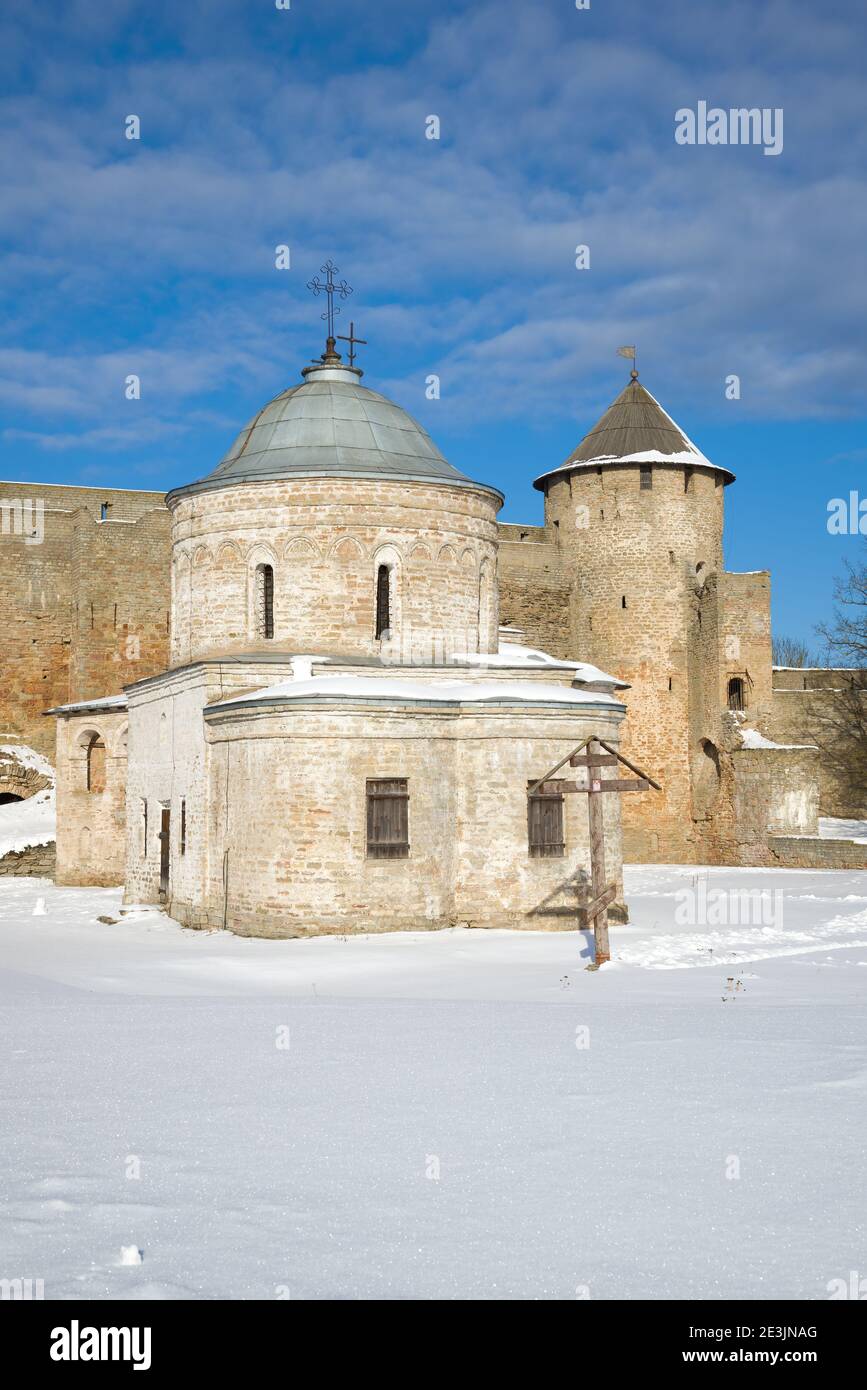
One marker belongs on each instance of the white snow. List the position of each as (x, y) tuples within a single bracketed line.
[(448, 1114), (692, 454), (27, 757), (29, 822), (751, 738), (32, 821), (392, 688), (105, 702), (839, 828), (514, 654)]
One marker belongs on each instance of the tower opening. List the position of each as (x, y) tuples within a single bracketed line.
[(383, 601), (736, 693), (265, 600)]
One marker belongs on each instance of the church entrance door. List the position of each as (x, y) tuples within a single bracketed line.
[(165, 846)]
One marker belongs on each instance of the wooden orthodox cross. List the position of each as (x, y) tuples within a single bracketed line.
[(599, 755)]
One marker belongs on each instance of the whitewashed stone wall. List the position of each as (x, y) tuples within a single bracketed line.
[(91, 824), (288, 808), (326, 539)]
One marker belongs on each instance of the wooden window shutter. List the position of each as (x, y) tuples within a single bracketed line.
[(388, 818), (545, 825)]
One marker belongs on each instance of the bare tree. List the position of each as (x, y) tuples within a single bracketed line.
[(841, 732), (846, 637), (791, 651)]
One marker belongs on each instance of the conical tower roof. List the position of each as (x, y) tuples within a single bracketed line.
[(635, 429)]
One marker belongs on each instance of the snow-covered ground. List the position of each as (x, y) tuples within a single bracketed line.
[(449, 1114), (33, 821)]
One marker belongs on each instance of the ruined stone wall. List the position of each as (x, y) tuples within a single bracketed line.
[(745, 642), (325, 540), (85, 604), (91, 824), (36, 861), (18, 778), (827, 707)]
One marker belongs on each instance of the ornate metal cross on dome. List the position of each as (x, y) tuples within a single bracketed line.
[(329, 270)]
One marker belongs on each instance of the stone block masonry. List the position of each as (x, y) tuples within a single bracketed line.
[(36, 861), (85, 609)]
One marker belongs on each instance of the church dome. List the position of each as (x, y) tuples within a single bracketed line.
[(330, 426)]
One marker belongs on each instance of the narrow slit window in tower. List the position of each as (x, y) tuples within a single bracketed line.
[(265, 600), (646, 477), (383, 601)]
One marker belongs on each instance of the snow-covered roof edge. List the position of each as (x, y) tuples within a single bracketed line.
[(106, 702), (692, 455), (397, 691)]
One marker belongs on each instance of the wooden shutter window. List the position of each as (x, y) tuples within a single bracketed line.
[(545, 825), (388, 818)]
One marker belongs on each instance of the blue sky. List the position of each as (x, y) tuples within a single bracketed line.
[(307, 127)]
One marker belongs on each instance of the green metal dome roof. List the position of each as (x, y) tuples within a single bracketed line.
[(330, 426)]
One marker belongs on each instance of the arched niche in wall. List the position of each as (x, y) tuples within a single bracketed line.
[(707, 778), (487, 605)]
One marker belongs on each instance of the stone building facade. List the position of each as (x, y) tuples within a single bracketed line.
[(85, 590), (339, 742), (331, 498)]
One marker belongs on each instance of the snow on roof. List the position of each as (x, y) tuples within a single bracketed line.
[(636, 429), (105, 702), (515, 654), (751, 738), (399, 691)]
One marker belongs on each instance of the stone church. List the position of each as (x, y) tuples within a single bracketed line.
[(311, 691)]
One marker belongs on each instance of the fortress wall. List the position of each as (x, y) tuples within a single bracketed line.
[(73, 592)]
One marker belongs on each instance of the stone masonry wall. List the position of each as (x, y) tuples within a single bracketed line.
[(535, 594), (36, 861), (326, 539), (85, 606), (638, 557), (296, 859), (827, 707)]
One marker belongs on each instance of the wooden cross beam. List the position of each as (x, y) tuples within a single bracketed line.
[(594, 760)]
